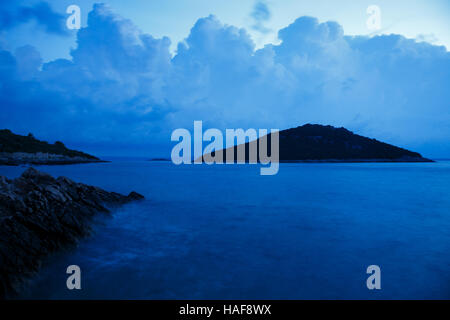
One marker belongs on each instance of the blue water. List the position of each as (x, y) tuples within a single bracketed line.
[(225, 232)]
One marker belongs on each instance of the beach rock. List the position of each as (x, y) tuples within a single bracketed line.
[(40, 215)]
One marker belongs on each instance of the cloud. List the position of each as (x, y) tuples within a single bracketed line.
[(430, 38), (124, 88), (110, 90), (260, 14), (14, 13)]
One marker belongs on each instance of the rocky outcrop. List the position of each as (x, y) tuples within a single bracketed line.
[(39, 158), (40, 215)]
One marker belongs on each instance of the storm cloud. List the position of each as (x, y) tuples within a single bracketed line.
[(14, 13), (122, 86)]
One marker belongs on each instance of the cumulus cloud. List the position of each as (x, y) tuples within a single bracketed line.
[(122, 86), (430, 38), (110, 90), (14, 13)]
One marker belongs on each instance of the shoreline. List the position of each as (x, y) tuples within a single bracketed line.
[(48, 163), (39, 158), (42, 215), (422, 160)]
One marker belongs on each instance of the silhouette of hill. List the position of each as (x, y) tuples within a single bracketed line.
[(318, 143), (16, 149)]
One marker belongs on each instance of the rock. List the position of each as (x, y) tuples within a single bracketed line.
[(135, 196), (40, 215)]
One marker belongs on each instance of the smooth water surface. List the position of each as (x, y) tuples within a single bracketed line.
[(225, 232)]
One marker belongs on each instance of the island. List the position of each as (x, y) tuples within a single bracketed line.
[(17, 149), (40, 215), (320, 143)]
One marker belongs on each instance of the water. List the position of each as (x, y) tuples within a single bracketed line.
[(225, 232)]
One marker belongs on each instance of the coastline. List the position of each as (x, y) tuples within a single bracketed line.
[(24, 158), (419, 160), (413, 160), (41, 215)]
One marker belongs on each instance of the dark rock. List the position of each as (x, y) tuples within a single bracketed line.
[(135, 196), (40, 215)]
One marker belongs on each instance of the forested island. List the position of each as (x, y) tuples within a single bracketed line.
[(17, 149), (319, 143)]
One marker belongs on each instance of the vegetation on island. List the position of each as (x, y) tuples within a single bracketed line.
[(11, 143)]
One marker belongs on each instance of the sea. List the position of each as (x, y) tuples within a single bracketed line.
[(226, 232)]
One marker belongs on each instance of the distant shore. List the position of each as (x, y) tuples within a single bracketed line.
[(412, 160), (39, 158), (401, 160), (160, 159)]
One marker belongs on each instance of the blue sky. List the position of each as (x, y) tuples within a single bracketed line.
[(138, 69)]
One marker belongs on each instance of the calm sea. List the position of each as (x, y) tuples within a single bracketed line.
[(225, 232)]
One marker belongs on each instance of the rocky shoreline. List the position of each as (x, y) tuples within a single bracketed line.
[(39, 158), (40, 215)]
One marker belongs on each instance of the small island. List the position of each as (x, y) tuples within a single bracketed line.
[(17, 149), (319, 143)]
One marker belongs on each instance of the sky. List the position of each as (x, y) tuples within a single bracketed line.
[(136, 70)]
